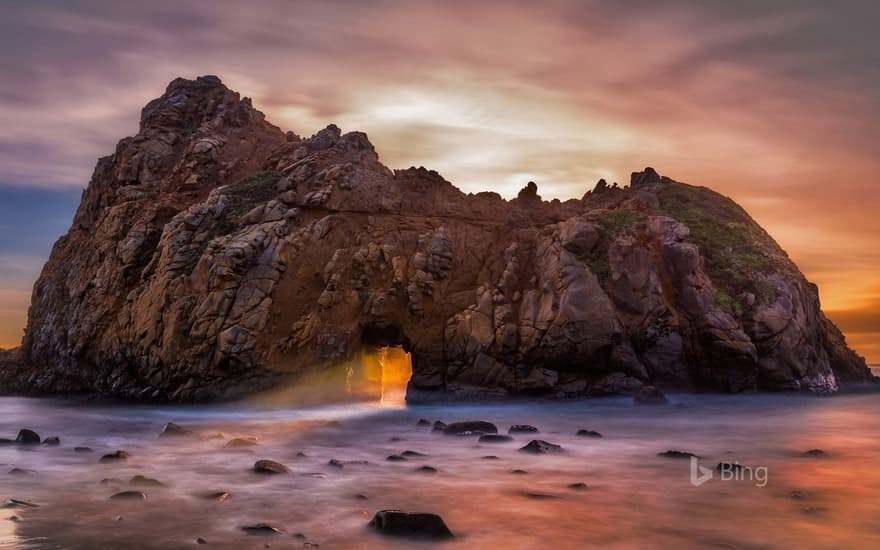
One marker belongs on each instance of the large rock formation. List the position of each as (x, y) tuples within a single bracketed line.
[(215, 255)]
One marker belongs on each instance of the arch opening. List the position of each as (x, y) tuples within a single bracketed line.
[(379, 374)]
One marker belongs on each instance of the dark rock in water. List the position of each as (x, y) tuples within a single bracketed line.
[(490, 457), (361, 496), (539, 446), (27, 437), (649, 395), (427, 469), (423, 422), (580, 486), (262, 529), (4, 441), (343, 463), (82, 449), (21, 472), (13, 518), (412, 524), (52, 441), (471, 427), (395, 458), (113, 457), (111, 481), (522, 429), (815, 453), (395, 438), (439, 426), (797, 495), (241, 442), (672, 453), (200, 540), (412, 454), (270, 467), (336, 463), (588, 433), (539, 496), (518, 472), (129, 495), (173, 430), (145, 481), (729, 467), (495, 438), (19, 503)]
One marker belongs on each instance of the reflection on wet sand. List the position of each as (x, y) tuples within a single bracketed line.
[(629, 498)]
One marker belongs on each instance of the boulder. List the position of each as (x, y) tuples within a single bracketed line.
[(471, 427), (116, 456), (173, 430), (27, 437), (494, 438), (410, 524), (129, 495), (522, 429), (270, 467), (539, 446)]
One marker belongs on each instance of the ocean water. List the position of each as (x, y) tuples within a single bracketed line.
[(633, 498)]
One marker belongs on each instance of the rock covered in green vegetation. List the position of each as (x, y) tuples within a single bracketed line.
[(214, 255)]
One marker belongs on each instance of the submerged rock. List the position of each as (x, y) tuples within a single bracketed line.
[(471, 427), (119, 455), (145, 481), (815, 453), (173, 430), (412, 454), (427, 469), (395, 458), (672, 453), (522, 429), (82, 449), (539, 446), (19, 503), (588, 433), (239, 442), (412, 524), (270, 467), (52, 441), (262, 529), (218, 496), (129, 495), (27, 437), (579, 486)]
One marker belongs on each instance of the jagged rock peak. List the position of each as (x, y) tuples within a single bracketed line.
[(643, 178), (529, 193)]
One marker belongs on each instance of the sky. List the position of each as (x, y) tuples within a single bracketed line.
[(773, 103)]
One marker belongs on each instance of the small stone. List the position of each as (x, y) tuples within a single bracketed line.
[(522, 429), (412, 454), (145, 481), (82, 449), (200, 540), (18, 503), (52, 441), (672, 453), (361, 496), (173, 430), (579, 486), (27, 437), (336, 463), (427, 470), (262, 529), (395, 522), (395, 458), (218, 496), (439, 426), (471, 427), (129, 495), (13, 518), (270, 467), (519, 472), (588, 433), (539, 496), (539, 446), (495, 438), (490, 457), (815, 453), (20, 472), (116, 456), (423, 422)]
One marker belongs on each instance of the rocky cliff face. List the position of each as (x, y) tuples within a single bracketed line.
[(214, 255)]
